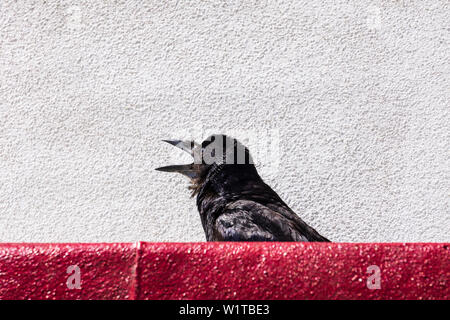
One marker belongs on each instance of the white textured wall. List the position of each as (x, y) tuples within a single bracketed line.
[(358, 93)]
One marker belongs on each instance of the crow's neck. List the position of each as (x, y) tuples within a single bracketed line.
[(230, 181), (227, 183)]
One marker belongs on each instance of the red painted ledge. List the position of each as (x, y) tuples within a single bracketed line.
[(225, 271)]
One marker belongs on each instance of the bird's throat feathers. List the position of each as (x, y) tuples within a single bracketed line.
[(205, 178)]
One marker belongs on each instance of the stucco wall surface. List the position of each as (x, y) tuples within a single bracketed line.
[(351, 96)]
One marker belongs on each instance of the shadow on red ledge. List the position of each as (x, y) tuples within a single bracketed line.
[(225, 271)]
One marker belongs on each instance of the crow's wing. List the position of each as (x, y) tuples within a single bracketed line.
[(246, 220)]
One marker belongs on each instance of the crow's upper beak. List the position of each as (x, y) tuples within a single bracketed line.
[(187, 146), (189, 170)]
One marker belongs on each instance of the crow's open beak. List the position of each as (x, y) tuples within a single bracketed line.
[(190, 170)]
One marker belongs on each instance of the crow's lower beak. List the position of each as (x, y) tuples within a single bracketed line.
[(189, 170)]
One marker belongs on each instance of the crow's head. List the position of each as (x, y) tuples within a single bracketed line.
[(213, 154)]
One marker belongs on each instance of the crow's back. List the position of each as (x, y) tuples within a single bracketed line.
[(247, 220)]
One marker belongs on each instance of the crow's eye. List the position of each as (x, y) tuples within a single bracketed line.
[(207, 143)]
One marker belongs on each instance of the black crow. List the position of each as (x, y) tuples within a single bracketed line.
[(234, 202)]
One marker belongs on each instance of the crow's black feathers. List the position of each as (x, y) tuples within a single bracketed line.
[(234, 202)]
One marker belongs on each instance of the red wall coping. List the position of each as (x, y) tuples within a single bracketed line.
[(225, 271)]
